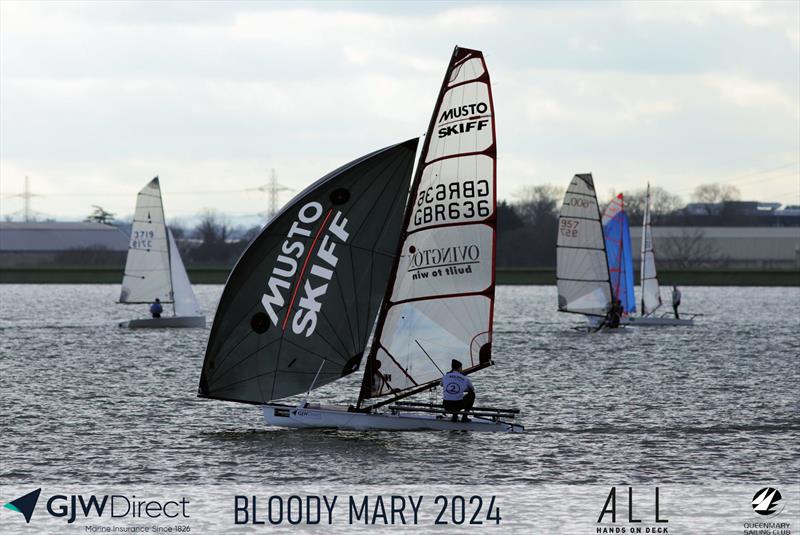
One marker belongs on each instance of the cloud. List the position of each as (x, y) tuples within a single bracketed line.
[(97, 98)]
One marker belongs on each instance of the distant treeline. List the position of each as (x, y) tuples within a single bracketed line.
[(527, 226)]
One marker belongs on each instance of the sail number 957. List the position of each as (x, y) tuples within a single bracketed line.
[(569, 227), (461, 510)]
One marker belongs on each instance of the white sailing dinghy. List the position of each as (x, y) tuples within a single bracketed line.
[(582, 273), (651, 293), (298, 309), (154, 268)]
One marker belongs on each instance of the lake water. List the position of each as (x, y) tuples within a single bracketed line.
[(715, 402), (86, 402)]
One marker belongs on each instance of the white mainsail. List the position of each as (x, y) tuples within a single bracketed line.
[(651, 294), (185, 302), (147, 269), (584, 285), (441, 300), (154, 269)]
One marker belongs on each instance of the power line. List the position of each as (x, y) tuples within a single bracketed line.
[(273, 189)]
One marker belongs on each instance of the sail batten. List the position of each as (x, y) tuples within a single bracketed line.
[(582, 271), (439, 305), (298, 295)]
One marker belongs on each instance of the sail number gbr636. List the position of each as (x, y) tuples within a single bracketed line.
[(447, 203)]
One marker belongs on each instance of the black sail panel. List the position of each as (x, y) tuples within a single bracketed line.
[(303, 296)]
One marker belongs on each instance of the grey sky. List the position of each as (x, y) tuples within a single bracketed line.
[(98, 97)]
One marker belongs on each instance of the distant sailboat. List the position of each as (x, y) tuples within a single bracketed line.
[(582, 272), (620, 257), (154, 268), (651, 293), (355, 251)]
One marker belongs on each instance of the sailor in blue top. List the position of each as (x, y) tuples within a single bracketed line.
[(156, 309), (458, 393)]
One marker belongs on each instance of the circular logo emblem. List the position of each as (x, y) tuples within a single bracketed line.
[(453, 388), (767, 502)]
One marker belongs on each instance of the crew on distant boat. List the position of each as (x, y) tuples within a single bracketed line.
[(613, 316), (676, 300), (156, 309), (458, 394)]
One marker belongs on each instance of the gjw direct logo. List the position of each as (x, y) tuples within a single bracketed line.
[(24, 505), (767, 502), (114, 505)]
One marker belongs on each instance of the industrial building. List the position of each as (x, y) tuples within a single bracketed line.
[(723, 247), (59, 243)]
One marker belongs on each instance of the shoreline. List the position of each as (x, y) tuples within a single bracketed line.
[(505, 276)]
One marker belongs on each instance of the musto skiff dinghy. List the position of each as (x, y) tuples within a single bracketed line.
[(363, 251), (154, 269)]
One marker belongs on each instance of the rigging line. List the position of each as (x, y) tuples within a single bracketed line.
[(429, 357), (255, 378), (392, 180), (306, 350), (356, 337), (371, 314), (239, 321), (374, 183), (220, 372), (399, 366), (344, 350), (275, 371)]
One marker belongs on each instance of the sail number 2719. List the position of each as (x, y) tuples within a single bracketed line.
[(466, 510)]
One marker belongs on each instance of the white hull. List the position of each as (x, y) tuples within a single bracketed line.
[(338, 417), (649, 321), (166, 322)]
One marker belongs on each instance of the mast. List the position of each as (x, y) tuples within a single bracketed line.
[(642, 262), (169, 249), (649, 277), (605, 255), (459, 154), (620, 267), (381, 321)]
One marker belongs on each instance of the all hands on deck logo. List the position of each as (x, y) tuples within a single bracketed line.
[(25, 504), (767, 502)]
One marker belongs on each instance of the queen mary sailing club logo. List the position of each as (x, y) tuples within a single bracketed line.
[(767, 502), (310, 253)]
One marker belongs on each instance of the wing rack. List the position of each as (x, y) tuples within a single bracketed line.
[(479, 412)]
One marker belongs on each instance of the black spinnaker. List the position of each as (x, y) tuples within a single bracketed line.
[(303, 297)]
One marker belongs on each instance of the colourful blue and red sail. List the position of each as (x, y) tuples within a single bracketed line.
[(618, 250)]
